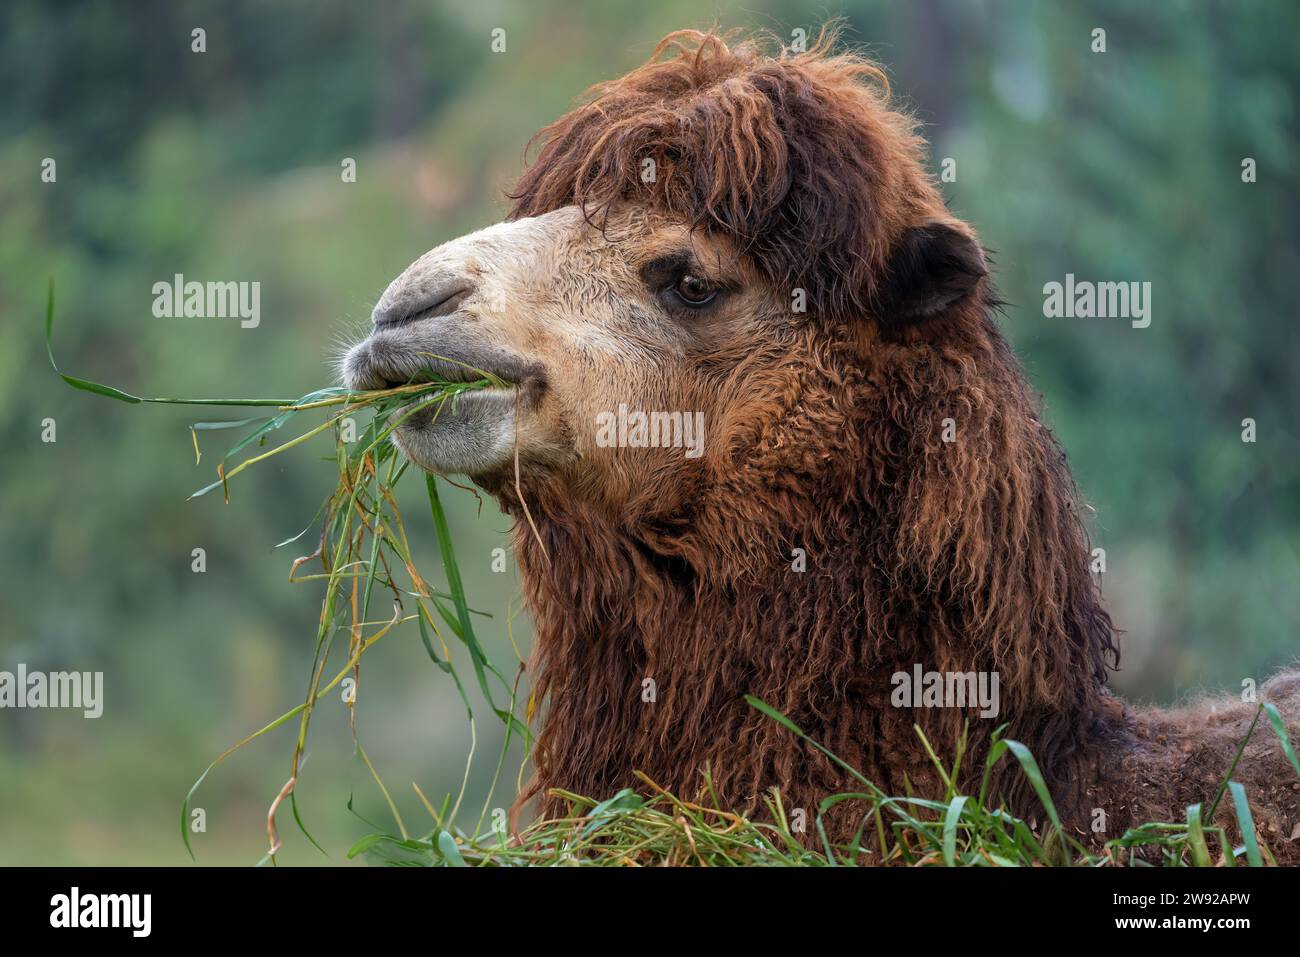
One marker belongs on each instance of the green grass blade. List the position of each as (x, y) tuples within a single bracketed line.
[(1196, 846), (461, 625), (225, 424), (764, 708), (1246, 822), (950, 821), (450, 852), (297, 819), (1232, 768), (84, 384), (1279, 726), (109, 392), (1030, 767)]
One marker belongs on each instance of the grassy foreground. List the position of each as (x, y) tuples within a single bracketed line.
[(663, 829)]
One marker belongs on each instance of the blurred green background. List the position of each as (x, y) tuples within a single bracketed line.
[(1123, 165)]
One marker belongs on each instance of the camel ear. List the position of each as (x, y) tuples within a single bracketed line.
[(934, 266)]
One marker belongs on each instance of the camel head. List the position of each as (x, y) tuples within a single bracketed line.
[(737, 323), (637, 311), (688, 239)]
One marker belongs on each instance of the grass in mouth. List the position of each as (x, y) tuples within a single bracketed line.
[(363, 554), (363, 549)]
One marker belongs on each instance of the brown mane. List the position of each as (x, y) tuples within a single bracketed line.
[(752, 146), (960, 556)]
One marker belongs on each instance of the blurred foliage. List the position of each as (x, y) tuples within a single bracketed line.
[(226, 165)]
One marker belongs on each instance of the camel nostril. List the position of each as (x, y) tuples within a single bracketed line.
[(441, 300)]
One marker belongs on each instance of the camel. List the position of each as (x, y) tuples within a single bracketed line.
[(748, 245)]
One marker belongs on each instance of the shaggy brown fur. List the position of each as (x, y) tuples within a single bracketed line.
[(962, 556)]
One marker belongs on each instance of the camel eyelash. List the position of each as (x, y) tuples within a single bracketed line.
[(679, 283)]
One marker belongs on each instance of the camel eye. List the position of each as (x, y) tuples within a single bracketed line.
[(694, 291)]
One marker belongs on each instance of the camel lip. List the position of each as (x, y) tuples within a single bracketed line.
[(386, 360), (492, 399)]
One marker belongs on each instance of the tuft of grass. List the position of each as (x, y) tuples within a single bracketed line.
[(631, 829), (362, 553)]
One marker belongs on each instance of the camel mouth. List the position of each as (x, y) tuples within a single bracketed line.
[(387, 360), (472, 434)]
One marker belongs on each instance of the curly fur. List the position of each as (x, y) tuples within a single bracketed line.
[(961, 556)]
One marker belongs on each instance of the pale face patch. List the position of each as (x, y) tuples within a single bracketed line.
[(620, 342)]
